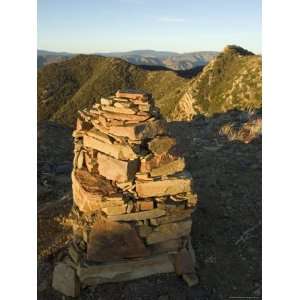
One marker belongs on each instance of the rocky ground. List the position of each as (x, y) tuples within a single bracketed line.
[(226, 225)]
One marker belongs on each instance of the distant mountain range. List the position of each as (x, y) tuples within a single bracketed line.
[(232, 80), (167, 59)]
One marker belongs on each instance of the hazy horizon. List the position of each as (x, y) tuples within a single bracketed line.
[(126, 25)]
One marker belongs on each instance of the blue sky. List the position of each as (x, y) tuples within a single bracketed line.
[(87, 26)]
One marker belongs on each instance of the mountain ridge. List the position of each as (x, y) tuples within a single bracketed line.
[(168, 59), (232, 80)]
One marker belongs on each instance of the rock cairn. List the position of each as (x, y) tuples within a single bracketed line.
[(133, 199)]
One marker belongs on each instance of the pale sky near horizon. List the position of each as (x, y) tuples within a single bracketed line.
[(89, 26)]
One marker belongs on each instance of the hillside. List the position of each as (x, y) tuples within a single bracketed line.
[(231, 81), (167, 59), (66, 87)]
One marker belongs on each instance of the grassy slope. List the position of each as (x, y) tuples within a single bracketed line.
[(231, 81), (66, 87)]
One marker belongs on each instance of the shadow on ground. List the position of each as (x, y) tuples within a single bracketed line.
[(226, 224)]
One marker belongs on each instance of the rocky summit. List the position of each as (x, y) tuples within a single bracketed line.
[(133, 189)]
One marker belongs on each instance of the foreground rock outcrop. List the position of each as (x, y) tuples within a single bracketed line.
[(133, 199)]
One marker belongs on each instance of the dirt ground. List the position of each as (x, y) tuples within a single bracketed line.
[(226, 228)]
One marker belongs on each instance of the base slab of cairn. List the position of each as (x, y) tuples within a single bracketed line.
[(133, 199)]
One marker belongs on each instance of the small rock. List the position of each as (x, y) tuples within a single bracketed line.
[(190, 279), (65, 280)]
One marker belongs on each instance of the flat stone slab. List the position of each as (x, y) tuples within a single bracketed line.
[(163, 187), (126, 270), (118, 151), (139, 131), (98, 135), (116, 170), (124, 117), (120, 110), (133, 94), (170, 168), (169, 232), (109, 241), (173, 216), (169, 246), (142, 215)]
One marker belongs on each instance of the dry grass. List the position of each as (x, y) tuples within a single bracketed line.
[(246, 133)]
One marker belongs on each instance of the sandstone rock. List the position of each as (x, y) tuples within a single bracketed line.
[(89, 190), (145, 205), (117, 151), (161, 144), (155, 161), (123, 104), (91, 163), (166, 247), (112, 202), (80, 160), (109, 241), (169, 231), (144, 230), (144, 107), (65, 280), (184, 263), (139, 131), (117, 170), (132, 94), (143, 215), (126, 270), (170, 168), (173, 216), (162, 187), (83, 125), (114, 210), (120, 110), (124, 117), (106, 101), (96, 134)]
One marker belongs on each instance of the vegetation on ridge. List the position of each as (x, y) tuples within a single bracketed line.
[(230, 81)]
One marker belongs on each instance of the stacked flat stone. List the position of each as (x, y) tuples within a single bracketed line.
[(131, 185)]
